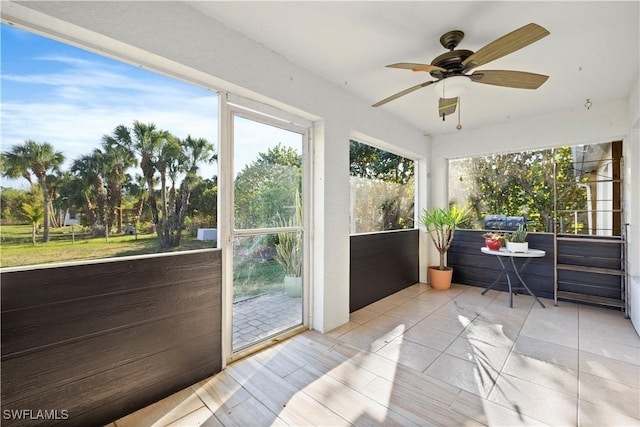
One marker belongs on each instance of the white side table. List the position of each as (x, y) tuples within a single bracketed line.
[(531, 253)]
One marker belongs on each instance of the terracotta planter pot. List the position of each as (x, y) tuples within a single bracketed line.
[(440, 279)]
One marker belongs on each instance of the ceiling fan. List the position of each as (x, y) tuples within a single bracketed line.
[(451, 68)]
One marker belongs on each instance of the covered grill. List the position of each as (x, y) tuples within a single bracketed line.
[(503, 222)]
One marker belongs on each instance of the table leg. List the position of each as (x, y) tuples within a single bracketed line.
[(504, 271), (515, 270), (510, 290)]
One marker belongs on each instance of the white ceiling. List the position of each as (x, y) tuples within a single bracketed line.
[(592, 51)]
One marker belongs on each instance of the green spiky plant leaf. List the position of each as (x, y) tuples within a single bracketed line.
[(289, 246), (441, 224)]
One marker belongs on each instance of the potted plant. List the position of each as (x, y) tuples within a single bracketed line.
[(289, 256), (289, 252), (440, 224), (493, 240), (517, 241)]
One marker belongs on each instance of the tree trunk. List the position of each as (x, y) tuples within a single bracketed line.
[(53, 215), (45, 208), (154, 209), (33, 234), (120, 215), (442, 254), (91, 215), (136, 219), (163, 230), (115, 205), (147, 171), (182, 214)]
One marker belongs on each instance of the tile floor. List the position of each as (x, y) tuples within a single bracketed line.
[(426, 357), (260, 317)]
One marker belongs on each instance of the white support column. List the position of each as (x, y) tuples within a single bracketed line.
[(330, 304), (631, 177), (422, 192), (225, 222)]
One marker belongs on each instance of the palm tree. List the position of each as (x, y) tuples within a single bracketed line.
[(196, 151), (73, 195), (37, 159), (88, 171), (34, 214), (115, 162), (170, 163), (146, 141), (135, 188), (57, 185), (200, 150), (54, 184), (169, 157)]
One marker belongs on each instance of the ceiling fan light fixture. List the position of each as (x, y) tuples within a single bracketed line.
[(452, 87)]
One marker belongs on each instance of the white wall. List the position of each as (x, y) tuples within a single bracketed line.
[(173, 38), (631, 176)]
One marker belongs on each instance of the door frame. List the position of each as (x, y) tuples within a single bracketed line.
[(231, 106)]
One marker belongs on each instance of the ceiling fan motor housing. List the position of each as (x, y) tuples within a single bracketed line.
[(450, 61)]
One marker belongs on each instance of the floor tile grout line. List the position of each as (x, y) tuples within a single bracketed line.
[(485, 315), (349, 385), (513, 345), (204, 405), (579, 375)]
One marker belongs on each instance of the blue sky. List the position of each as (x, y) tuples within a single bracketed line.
[(70, 98)]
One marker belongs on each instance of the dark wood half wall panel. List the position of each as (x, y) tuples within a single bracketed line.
[(101, 339), (472, 267), (382, 264)]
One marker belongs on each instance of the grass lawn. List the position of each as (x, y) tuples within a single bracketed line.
[(16, 248), (256, 277), (252, 277)]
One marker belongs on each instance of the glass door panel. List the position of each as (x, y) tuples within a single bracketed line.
[(268, 231)]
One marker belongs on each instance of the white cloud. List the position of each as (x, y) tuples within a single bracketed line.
[(79, 73), (75, 102), (73, 107)]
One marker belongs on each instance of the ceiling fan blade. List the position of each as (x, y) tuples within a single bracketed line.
[(402, 93), (447, 106), (506, 78), (416, 67), (505, 45)]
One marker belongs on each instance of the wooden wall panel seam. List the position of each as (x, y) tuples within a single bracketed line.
[(150, 391), (96, 334), (185, 282), (57, 284), (208, 339)]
